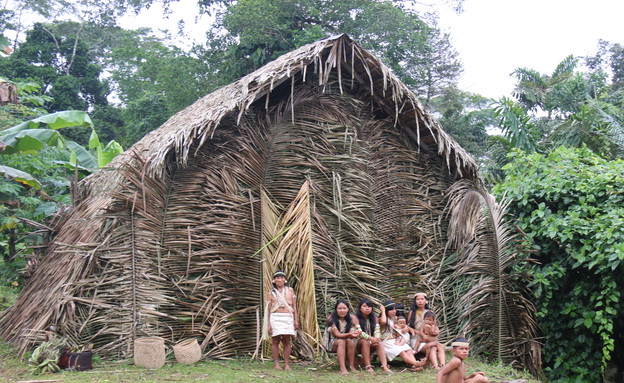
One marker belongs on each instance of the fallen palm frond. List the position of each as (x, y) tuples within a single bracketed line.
[(492, 301)]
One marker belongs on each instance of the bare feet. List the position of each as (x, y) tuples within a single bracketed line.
[(345, 372), (416, 368), (277, 367), (436, 367), (385, 368), (369, 368), (287, 367), (352, 369)]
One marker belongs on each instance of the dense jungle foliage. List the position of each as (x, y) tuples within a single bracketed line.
[(557, 159)]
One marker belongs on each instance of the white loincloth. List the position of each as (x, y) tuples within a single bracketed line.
[(282, 324)]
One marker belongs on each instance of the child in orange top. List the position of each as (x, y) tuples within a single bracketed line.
[(455, 370)]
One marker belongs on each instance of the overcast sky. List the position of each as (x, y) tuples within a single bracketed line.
[(493, 37)]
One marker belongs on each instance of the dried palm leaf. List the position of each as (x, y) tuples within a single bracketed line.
[(493, 302)]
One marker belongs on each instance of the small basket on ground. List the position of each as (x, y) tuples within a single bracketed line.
[(187, 351), (149, 352)]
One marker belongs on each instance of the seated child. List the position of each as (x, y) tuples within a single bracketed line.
[(455, 370), (403, 332), (430, 330)]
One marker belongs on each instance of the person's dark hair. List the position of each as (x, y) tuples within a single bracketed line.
[(371, 318), (429, 314), (460, 339), (413, 308), (333, 319), (400, 308), (389, 305)]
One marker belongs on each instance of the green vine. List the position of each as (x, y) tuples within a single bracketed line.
[(571, 204)]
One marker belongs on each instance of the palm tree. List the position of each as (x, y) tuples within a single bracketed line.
[(534, 89), (597, 125)]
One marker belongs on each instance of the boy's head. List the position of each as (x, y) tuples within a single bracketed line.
[(461, 348), (429, 317)]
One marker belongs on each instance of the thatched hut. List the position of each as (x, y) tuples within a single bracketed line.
[(321, 163)]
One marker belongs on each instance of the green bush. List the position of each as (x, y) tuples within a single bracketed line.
[(571, 204)]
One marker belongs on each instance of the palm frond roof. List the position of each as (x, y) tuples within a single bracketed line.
[(197, 123)]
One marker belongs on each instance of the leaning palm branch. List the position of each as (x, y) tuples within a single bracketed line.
[(492, 302), (270, 214), (296, 248)]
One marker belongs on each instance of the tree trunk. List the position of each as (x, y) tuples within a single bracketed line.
[(8, 93)]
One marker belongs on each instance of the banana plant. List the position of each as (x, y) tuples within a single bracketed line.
[(31, 136)]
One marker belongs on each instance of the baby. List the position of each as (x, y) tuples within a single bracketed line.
[(430, 327), (402, 331)]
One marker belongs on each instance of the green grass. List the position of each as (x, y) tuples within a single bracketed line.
[(13, 369), (8, 295)]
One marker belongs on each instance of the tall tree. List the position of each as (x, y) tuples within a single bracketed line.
[(535, 90), (467, 117), (56, 56), (153, 79), (257, 31), (608, 62), (60, 46), (582, 109), (142, 64), (434, 69)]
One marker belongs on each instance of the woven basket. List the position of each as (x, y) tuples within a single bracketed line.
[(187, 351), (149, 352)]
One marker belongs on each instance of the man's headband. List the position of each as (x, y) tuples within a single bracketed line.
[(460, 344), (279, 274)]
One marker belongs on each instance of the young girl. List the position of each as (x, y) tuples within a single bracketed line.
[(282, 318), (370, 336), (343, 332), (415, 317), (416, 320), (386, 321)]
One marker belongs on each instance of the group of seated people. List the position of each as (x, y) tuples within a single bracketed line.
[(390, 335)]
